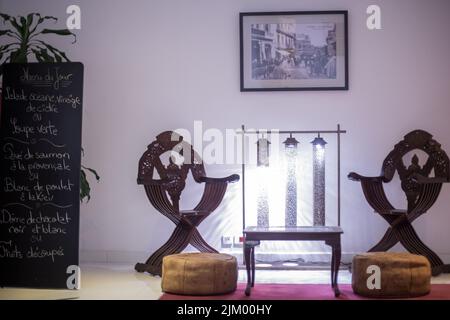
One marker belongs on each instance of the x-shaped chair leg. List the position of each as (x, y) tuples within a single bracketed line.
[(411, 241), (405, 234), (183, 235), (199, 243), (179, 240), (387, 242)]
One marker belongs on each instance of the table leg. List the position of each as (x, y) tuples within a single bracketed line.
[(253, 266), (337, 262), (248, 265), (333, 264), (335, 245)]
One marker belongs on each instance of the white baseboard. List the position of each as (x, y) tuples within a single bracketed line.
[(112, 256), (132, 257)]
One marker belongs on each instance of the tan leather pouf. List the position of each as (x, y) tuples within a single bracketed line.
[(199, 273), (402, 275)]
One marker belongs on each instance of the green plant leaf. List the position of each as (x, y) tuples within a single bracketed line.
[(10, 33), (51, 17), (16, 31), (19, 28), (6, 51), (85, 190), (6, 58), (30, 19), (29, 23), (97, 177), (3, 32), (38, 55), (55, 51), (23, 22), (5, 17), (18, 56), (40, 20), (61, 32), (47, 57), (6, 46)]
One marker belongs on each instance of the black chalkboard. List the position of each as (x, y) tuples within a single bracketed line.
[(40, 174)]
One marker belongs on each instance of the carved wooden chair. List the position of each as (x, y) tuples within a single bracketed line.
[(170, 184), (420, 187)]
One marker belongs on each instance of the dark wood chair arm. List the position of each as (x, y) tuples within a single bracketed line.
[(229, 179), (373, 192), (357, 177)]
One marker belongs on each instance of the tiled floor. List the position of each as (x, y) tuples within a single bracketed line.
[(119, 281)]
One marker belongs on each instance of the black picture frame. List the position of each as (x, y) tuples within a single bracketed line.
[(300, 65)]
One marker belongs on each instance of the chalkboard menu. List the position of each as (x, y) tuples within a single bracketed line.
[(40, 174)]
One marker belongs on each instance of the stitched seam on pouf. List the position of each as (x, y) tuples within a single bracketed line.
[(410, 276), (215, 277), (162, 275), (184, 275)]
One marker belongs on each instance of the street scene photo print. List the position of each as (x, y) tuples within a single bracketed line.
[(294, 51)]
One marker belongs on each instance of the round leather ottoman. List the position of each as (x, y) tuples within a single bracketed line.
[(199, 273), (401, 275)]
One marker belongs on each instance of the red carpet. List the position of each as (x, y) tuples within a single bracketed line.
[(263, 291)]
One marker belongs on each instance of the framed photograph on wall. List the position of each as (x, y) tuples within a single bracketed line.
[(294, 50)]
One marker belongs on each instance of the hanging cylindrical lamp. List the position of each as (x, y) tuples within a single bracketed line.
[(263, 148), (319, 180), (291, 150)]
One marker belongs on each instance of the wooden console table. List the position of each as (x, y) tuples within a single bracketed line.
[(331, 236)]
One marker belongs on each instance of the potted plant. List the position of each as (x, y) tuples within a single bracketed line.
[(24, 34)]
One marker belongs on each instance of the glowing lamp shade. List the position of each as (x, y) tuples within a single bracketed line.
[(263, 147), (290, 145), (319, 181)]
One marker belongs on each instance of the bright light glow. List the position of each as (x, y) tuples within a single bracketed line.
[(263, 186), (290, 264), (291, 188), (319, 184), (262, 198), (263, 149), (272, 180), (319, 152)]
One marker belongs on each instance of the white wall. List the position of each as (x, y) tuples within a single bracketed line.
[(157, 65)]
